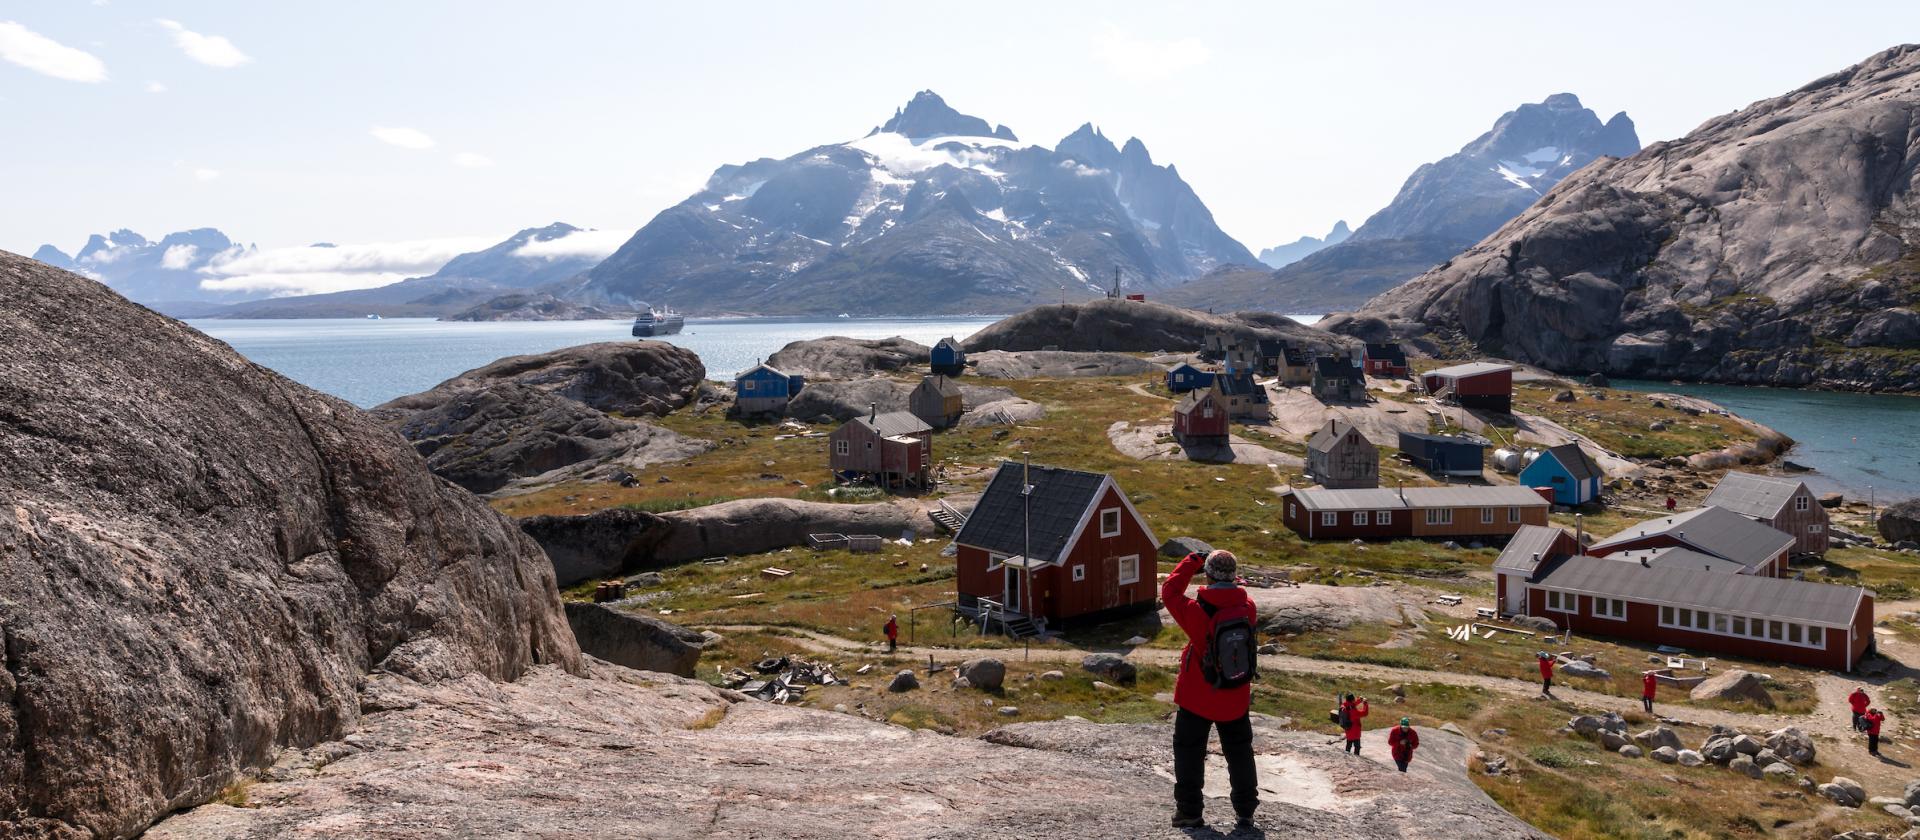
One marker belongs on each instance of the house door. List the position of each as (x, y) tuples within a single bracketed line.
[(1013, 602), (1110, 583), (1516, 596)]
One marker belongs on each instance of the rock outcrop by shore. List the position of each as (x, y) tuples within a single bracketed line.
[(839, 357), (1137, 327), (534, 307), (1055, 364), (201, 561)]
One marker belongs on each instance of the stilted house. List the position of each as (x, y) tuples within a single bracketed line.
[(1339, 379), (763, 389), (1454, 513), (1049, 545), (1446, 456), (892, 450), (1386, 360), (1783, 504), (1339, 457), (1573, 474), (1185, 377), (1296, 366), (1477, 385), (937, 401), (1676, 596), (947, 358), (1245, 397), (1754, 548), (1202, 417)]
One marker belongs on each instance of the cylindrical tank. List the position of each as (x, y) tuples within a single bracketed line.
[(1506, 460)]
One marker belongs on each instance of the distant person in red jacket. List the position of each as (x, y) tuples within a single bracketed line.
[(1859, 701), (1546, 674), (1648, 682), (1402, 741), (1874, 718), (1352, 712), (893, 634), (1670, 503), (1211, 691)]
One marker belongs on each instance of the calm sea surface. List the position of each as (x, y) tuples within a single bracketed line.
[(1856, 443)]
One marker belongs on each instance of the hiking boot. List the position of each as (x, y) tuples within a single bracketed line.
[(1188, 821), (1244, 824)]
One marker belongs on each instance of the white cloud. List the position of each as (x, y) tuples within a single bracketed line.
[(211, 50), (206, 174), (472, 160), (156, 87), (37, 52), (178, 257), (312, 270), (405, 138), (1146, 58), (596, 244)]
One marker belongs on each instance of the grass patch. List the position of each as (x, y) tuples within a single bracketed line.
[(670, 503), (711, 719), (235, 795)]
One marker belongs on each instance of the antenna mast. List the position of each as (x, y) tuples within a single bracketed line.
[(1026, 542)]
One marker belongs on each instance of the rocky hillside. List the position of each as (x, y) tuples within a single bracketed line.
[(201, 561), (1776, 245), (535, 306), (1280, 256), (930, 213), (1443, 208), (1134, 327)]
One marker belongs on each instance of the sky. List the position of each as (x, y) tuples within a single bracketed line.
[(416, 128)]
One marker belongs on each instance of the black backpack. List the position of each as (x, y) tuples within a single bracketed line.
[(1230, 659)]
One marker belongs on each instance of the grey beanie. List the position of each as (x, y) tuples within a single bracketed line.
[(1221, 566)]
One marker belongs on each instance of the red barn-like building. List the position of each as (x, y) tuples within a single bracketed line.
[(1092, 555), (1201, 416), (1477, 385)]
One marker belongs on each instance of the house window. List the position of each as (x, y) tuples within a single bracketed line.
[(1291, 511), (1384, 517), (1206, 413), (1739, 625), (1439, 516), (1816, 637), (1130, 569), (1815, 529), (1700, 620), (995, 561), (1775, 631), (1513, 514), (869, 445), (1486, 516), (750, 385), (1613, 608), (1080, 571), (1666, 616), (840, 447), (1686, 618), (1802, 503), (1559, 479), (1110, 522), (1359, 517), (1329, 518), (1719, 623)]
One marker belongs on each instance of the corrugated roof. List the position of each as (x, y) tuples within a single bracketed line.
[(1774, 598), (1758, 496), (1684, 558), (1452, 440), (1060, 497), (1469, 369), (1576, 461), (1527, 543), (1329, 435), (894, 423), (1713, 530), (1319, 498)]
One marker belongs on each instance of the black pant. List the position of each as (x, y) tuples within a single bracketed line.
[(892, 644), (1353, 746), (1190, 762), (1402, 763), (1856, 720), (1546, 685), (1873, 743), (1648, 702)]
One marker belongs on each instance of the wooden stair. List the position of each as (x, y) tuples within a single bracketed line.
[(947, 518)]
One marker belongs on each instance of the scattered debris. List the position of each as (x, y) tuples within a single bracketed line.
[(784, 678), (775, 573)]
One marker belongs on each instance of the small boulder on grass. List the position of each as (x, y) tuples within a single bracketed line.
[(903, 682), (1109, 667), (986, 673)]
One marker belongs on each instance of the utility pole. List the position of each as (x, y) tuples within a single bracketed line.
[(1026, 543)]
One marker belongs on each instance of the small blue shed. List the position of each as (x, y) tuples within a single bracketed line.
[(1569, 470), (948, 359), (1185, 377), (1458, 456), (762, 389)]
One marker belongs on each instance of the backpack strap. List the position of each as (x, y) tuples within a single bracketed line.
[(1207, 608)]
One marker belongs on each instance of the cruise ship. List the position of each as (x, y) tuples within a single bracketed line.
[(653, 322)]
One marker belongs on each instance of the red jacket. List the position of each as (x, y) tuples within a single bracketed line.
[(893, 629), (1403, 741), (1647, 684), (1355, 711), (1873, 722), (1191, 691), (1546, 667), (1858, 700)]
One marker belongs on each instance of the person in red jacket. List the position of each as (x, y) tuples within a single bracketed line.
[(1202, 707), (893, 634), (1546, 674), (1670, 503), (1355, 710), (1648, 682), (1402, 741), (1859, 701), (1874, 718)]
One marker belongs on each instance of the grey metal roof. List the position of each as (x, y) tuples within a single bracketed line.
[(1318, 498), (1576, 460), (1194, 397), (1758, 496), (1685, 558), (1330, 435), (941, 385), (1680, 586), (1060, 497), (1527, 543), (1469, 369), (894, 423), (1712, 530)]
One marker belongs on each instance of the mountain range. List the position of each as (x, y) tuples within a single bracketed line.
[(1443, 208), (932, 212), (162, 272), (1280, 256), (1778, 245)]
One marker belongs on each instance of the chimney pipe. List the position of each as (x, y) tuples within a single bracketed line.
[(873, 411)]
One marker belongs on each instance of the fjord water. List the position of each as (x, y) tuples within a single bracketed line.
[(1852, 441), (367, 362)]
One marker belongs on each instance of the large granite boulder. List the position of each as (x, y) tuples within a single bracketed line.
[(201, 562), (601, 544), (1136, 327), (843, 401), (632, 640), (617, 377), (1734, 684), (839, 357), (1056, 364), (1900, 522)]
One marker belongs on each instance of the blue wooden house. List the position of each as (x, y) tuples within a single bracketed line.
[(1185, 377), (948, 359), (1569, 470), (762, 389)]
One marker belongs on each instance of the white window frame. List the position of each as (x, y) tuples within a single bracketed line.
[(1802, 503), (1612, 609), (842, 448), (1292, 511), (1486, 516), (1329, 518), (1513, 515), (995, 560), (1756, 628), (1079, 571), (1131, 561), (1117, 522), (1563, 602), (1383, 517), (1816, 528), (749, 385), (1440, 516), (1359, 517)]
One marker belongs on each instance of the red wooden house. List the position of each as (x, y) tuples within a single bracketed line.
[(1069, 549), (1201, 416), (1477, 385), (891, 450), (1386, 360)]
